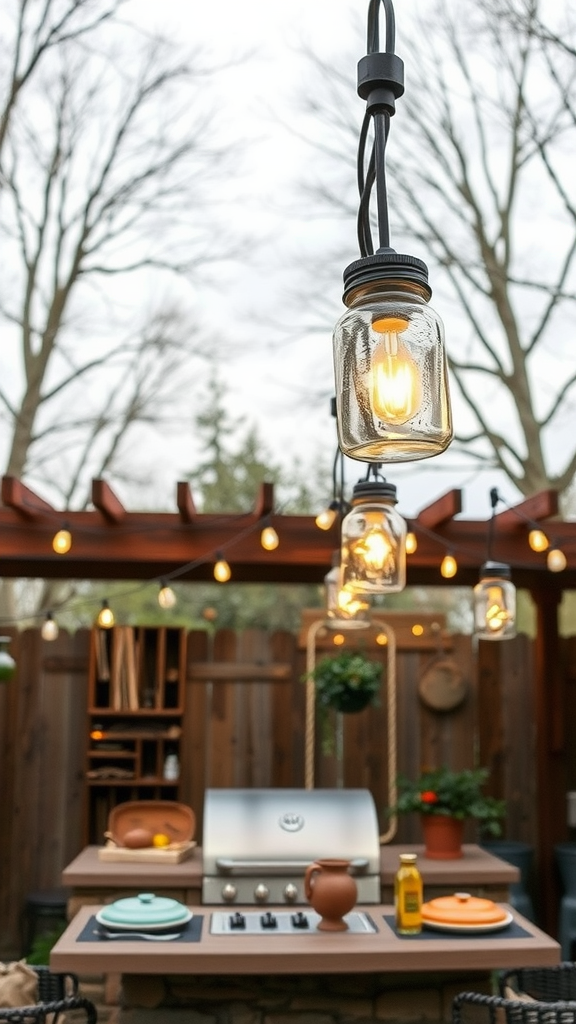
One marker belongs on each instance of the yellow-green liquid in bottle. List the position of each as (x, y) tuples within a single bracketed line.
[(408, 896)]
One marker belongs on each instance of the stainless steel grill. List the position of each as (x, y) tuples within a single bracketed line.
[(257, 843)]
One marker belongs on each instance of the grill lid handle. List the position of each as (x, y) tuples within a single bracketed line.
[(232, 866)]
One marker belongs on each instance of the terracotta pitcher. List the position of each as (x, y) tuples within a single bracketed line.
[(331, 891)]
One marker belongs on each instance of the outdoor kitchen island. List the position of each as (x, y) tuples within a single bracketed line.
[(374, 976)]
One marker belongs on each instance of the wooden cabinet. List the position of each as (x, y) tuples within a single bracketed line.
[(135, 709)]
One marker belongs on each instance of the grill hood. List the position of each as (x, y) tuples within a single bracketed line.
[(267, 838)]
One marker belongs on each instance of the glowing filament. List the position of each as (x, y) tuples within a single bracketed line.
[(497, 615), (396, 388), (374, 550), (350, 603)]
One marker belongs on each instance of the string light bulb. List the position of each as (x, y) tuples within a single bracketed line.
[(49, 629), (326, 519), (411, 542), (495, 603), (105, 616), (62, 541), (538, 540), (448, 566), (373, 551), (556, 560), (269, 538), (166, 596), (222, 572)]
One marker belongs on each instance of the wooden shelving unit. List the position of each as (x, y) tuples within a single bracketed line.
[(135, 709)]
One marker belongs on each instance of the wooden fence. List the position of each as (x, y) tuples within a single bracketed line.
[(248, 732)]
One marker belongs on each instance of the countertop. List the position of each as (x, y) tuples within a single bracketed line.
[(476, 867), (308, 953)]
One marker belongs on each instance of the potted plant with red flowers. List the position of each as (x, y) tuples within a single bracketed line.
[(445, 799)]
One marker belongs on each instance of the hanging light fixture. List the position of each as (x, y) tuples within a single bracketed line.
[(495, 603), (105, 616), (49, 629), (62, 541), (373, 548), (390, 366), (345, 609), (338, 507), (494, 594), (222, 572), (166, 597)]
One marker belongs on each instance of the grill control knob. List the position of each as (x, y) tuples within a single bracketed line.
[(229, 893), (261, 893), (290, 893)]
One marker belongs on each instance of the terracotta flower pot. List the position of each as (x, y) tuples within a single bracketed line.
[(442, 836)]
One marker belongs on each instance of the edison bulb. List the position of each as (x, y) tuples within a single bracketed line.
[(449, 567), (497, 615), (411, 543), (222, 571), (269, 538), (395, 385), (556, 560), (325, 519), (166, 597), (62, 542), (106, 617), (49, 630), (538, 540)]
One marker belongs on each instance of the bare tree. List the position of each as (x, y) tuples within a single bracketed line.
[(482, 186), (104, 213)]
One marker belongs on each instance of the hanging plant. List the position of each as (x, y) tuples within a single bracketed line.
[(347, 683)]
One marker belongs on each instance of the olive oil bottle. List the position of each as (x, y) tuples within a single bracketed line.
[(408, 896)]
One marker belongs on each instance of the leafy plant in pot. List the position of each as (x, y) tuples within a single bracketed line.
[(446, 799), (347, 683)]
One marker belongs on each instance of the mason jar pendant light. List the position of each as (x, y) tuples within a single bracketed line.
[(494, 594), (345, 608), (392, 396), (495, 603), (373, 547)]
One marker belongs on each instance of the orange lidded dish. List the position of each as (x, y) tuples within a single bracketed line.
[(462, 909)]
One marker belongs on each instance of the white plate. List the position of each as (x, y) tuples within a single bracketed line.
[(470, 929), (169, 926)]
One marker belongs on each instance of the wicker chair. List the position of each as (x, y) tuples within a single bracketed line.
[(473, 1008), (57, 993), (546, 984)]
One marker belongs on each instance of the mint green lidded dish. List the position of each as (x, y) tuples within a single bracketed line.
[(145, 912)]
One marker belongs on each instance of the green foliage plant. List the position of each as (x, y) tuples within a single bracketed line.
[(346, 683), (457, 794)]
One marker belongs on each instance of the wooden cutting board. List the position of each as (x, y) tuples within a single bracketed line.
[(148, 855)]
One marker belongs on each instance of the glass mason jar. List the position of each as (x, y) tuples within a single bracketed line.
[(345, 609), (495, 603), (7, 663), (391, 375), (373, 548)]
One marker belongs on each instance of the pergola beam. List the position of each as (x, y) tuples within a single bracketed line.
[(27, 503), (540, 506), (441, 510), (104, 499)]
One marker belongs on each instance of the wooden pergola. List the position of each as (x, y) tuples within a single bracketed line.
[(111, 542)]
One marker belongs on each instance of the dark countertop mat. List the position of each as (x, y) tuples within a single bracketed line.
[(191, 932), (511, 931)]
